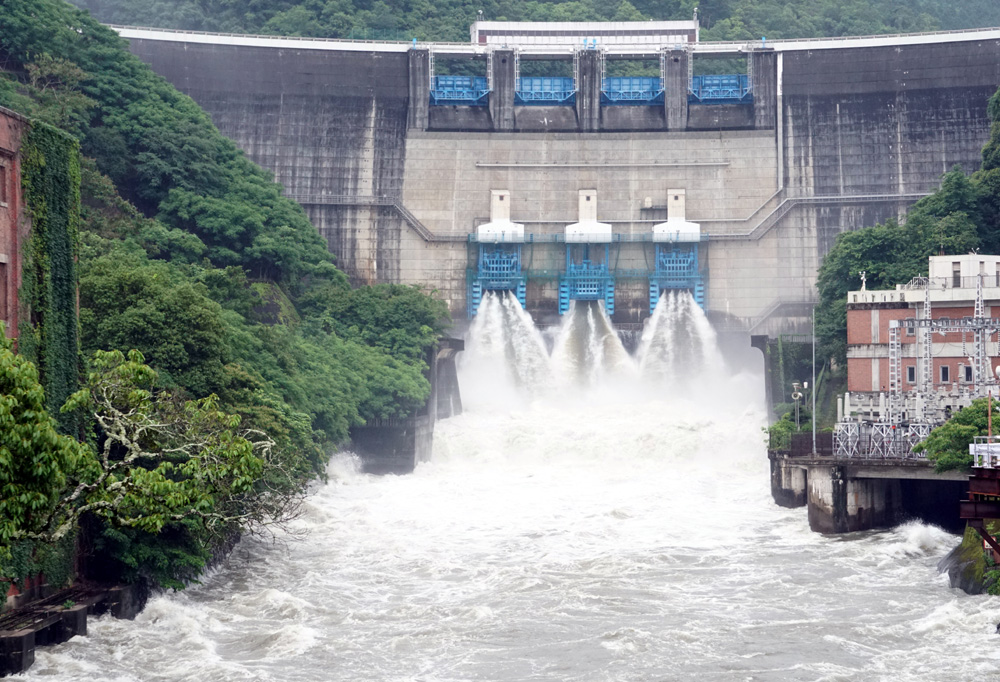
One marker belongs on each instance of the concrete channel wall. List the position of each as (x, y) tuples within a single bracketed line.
[(837, 138)]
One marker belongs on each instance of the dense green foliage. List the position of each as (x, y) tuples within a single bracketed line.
[(164, 481), (948, 445), (190, 254), (51, 180), (449, 19), (35, 459), (193, 285), (162, 151)]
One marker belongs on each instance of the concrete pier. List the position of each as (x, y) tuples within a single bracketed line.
[(842, 496)]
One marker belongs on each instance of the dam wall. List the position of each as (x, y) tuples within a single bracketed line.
[(840, 134)]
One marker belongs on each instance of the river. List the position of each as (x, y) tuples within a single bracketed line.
[(581, 521)]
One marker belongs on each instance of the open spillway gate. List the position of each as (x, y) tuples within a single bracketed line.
[(589, 269)]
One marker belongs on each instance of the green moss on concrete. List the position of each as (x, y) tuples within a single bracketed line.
[(275, 307), (968, 566)]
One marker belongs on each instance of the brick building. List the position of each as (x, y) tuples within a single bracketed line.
[(953, 286), (14, 221)]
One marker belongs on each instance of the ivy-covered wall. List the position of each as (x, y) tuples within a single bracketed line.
[(49, 330), (13, 226)]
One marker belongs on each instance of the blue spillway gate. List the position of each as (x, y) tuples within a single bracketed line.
[(462, 90), (727, 89), (585, 280), (632, 90), (499, 269), (626, 90), (537, 91), (676, 268)]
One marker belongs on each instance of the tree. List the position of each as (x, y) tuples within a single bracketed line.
[(161, 460), (36, 461), (129, 302), (170, 479), (948, 445), (56, 84), (400, 319), (176, 477)]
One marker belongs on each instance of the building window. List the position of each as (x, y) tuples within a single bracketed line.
[(908, 323), (3, 184), (968, 373), (945, 374), (956, 274), (911, 375)]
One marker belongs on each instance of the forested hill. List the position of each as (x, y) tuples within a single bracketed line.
[(450, 19), (189, 253)]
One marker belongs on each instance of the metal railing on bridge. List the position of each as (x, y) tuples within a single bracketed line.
[(985, 451), (800, 444), (879, 440)]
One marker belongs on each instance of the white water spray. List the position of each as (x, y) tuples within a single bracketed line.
[(587, 348), (679, 346), (505, 356)]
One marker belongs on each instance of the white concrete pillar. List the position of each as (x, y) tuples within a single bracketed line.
[(499, 205), (588, 205), (675, 204)]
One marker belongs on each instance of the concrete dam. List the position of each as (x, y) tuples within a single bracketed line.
[(829, 135)]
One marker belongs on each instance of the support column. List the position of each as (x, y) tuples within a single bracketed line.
[(759, 341), (764, 81), (788, 483), (420, 90), (502, 95), (675, 89), (588, 92), (839, 503)]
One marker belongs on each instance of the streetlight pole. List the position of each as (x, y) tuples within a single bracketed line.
[(814, 381), (796, 396)]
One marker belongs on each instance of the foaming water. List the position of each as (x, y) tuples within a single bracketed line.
[(678, 345), (587, 348), (506, 356), (610, 530)]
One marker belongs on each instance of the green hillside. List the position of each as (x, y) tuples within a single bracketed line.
[(450, 19), (189, 253)]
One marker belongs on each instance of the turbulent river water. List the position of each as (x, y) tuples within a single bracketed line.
[(590, 517)]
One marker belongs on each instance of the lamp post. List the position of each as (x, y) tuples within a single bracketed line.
[(814, 381), (796, 396)]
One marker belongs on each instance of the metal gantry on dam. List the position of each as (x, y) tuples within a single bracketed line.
[(590, 273), (474, 91)]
